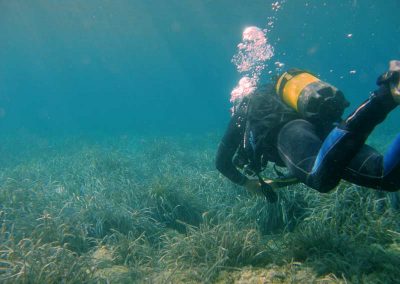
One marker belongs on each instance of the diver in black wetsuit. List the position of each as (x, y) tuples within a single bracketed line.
[(297, 123)]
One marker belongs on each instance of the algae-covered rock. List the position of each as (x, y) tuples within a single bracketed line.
[(103, 253), (175, 276), (106, 270), (291, 273), (103, 257), (114, 274)]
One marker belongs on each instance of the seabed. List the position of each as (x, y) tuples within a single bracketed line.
[(155, 210)]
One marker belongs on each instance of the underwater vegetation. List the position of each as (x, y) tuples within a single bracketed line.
[(154, 210)]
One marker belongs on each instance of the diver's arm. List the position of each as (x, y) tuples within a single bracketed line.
[(227, 149)]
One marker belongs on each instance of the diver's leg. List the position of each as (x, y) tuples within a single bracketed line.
[(370, 169), (391, 167), (319, 164), (366, 168), (345, 140), (298, 146)]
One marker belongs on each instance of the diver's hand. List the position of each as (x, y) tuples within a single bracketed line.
[(395, 84), (392, 79), (394, 65), (254, 186)]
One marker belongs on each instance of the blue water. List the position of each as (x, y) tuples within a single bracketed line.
[(90, 66)]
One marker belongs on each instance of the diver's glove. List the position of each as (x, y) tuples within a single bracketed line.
[(391, 79), (266, 187), (269, 192), (261, 188)]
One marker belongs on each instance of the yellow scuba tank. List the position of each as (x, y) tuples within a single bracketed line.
[(308, 95)]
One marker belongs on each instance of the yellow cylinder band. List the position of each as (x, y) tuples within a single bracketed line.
[(294, 87)]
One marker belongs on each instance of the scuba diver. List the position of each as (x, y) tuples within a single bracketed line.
[(296, 123)]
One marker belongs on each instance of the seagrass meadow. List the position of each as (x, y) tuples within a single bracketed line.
[(154, 210)]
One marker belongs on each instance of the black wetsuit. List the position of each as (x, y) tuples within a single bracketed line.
[(321, 156)]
